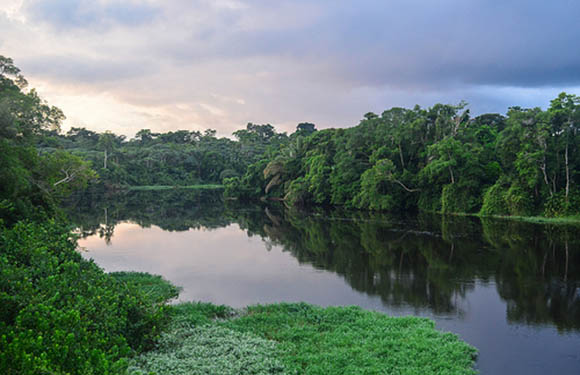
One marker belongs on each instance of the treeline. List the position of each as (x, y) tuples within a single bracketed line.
[(179, 157), (438, 159)]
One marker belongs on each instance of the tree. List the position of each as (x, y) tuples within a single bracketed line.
[(107, 145), (10, 74), (565, 118), (304, 129), (144, 136), (61, 173), (23, 114)]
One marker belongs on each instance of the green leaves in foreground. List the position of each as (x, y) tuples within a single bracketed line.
[(303, 339), (61, 314)]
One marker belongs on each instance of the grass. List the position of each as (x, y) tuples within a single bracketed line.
[(170, 187), (299, 338)]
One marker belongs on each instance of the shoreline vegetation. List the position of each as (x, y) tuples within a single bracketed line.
[(63, 314), (565, 220), (562, 220), (436, 159), (299, 338), (439, 159)]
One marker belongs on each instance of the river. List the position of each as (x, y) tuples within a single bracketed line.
[(510, 289)]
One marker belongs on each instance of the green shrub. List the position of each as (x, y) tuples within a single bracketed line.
[(519, 201), (61, 313), (494, 200), (429, 200), (557, 205), (297, 192)]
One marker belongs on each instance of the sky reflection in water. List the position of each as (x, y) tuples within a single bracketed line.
[(499, 285)]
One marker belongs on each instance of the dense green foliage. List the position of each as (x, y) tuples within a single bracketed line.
[(61, 314), (302, 339), (177, 158), (32, 182), (436, 159)]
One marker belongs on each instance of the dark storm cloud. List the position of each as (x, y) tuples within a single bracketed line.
[(396, 43), (514, 43), (415, 43), (75, 14)]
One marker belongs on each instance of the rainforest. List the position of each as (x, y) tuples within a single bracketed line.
[(65, 313), (439, 159)]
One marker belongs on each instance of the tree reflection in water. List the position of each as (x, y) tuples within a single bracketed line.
[(423, 261)]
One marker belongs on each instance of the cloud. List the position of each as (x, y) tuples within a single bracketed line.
[(78, 14), (396, 43), (87, 70), (223, 63)]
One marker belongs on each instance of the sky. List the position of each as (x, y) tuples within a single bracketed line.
[(126, 65)]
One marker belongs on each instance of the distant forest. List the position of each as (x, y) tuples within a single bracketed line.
[(438, 159)]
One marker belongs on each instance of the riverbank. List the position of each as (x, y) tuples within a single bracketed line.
[(565, 220), (569, 220), (63, 314)]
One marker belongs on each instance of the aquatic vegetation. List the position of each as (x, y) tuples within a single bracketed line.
[(208, 349), (302, 339), (350, 340), (154, 287), (195, 343)]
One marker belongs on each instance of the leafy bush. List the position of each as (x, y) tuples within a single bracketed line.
[(374, 193), (430, 200), (557, 204), (297, 192), (61, 313), (494, 200), (518, 201)]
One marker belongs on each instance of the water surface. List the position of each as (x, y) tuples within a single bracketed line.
[(510, 289)]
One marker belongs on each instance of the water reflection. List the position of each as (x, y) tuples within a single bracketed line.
[(425, 262)]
